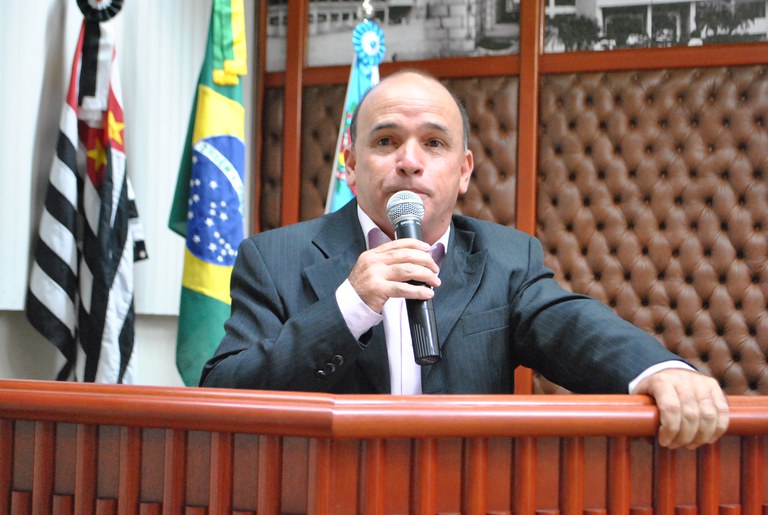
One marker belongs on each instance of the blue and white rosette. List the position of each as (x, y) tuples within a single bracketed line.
[(368, 42)]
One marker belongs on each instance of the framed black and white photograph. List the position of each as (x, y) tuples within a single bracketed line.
[(413, 29), (611, 24)]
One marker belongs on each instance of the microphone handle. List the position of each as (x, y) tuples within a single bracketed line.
[(421, 315), (421, 318)]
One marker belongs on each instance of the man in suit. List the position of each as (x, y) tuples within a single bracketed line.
[(318, 306)]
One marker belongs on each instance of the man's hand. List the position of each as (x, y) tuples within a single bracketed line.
[(383, 272), (692, 407)]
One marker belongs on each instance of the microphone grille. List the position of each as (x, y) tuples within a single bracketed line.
[(405, 205)]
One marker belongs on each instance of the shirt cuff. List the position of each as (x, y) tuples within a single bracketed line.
[(358, 316), (658, 367)]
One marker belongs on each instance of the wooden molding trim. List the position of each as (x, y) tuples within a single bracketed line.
[(656, 58), (449, 67), (351, 416)]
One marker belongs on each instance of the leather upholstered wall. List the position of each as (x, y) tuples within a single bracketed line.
[(652, 196), (491, 105), (321, 110), (271, 159)]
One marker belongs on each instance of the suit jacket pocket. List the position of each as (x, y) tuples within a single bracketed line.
[(492, 320)]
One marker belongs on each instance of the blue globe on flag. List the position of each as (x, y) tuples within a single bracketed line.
[(215, 207)]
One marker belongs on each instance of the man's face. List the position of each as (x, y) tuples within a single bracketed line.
[(409, 137)]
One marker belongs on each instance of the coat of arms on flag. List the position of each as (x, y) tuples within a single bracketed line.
[(81, 284), (368, 43)]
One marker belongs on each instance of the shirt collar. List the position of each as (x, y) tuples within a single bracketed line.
[(374, 236)]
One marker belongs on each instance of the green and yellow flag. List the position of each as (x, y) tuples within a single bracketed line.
[(208, 205)]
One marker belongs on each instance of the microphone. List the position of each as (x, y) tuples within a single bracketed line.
[(406, 210)]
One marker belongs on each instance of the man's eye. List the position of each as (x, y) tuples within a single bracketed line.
[(384, 142), (434, 143)]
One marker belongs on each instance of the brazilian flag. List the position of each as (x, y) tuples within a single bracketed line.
[(208, 205)]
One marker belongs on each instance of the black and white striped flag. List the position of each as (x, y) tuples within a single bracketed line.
[(81, 284)]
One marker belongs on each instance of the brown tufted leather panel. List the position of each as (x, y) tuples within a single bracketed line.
[(271, 159), (653, 198), (491, 105), (322, 107)]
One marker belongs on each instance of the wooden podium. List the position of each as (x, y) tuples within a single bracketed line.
[(84, 449)]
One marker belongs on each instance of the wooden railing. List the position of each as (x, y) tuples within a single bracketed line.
[(99, 449)]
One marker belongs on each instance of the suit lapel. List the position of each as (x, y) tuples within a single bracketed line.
[(460, 274), (340, 242)]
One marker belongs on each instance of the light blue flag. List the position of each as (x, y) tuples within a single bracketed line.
[(368, 42)]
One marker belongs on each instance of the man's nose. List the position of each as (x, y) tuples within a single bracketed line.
[(409, 158)]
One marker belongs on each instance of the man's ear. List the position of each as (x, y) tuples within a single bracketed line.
[(350, 165), (467, 166)]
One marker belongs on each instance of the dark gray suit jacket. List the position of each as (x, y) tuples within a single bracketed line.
[(498, 307)]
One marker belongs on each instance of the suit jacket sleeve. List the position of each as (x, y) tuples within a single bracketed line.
[(575, 340), (278, 337)]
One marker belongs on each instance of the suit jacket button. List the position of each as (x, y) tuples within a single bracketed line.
[(329, 368), (338, 360), (320, 374)]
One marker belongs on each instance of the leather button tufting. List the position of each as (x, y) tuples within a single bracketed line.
[(650, 197)]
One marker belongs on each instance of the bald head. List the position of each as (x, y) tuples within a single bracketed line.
[(410, 134), (417, 75)]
